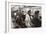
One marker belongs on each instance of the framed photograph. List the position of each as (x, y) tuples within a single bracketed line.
[(23, 16)]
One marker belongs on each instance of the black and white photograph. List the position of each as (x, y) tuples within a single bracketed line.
[(23, 16)]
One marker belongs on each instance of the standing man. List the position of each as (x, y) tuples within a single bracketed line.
[(28, 19)]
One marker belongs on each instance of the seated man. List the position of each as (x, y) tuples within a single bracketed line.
[(35, 20), (20, 20)]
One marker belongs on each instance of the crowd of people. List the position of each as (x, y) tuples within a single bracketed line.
[(25, 20)]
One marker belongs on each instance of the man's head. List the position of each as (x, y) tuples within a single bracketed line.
[(29, 12), (36, 13), (23, 12)]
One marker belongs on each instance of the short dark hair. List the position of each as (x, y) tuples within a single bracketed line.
[(29, 11), (36, 12)]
